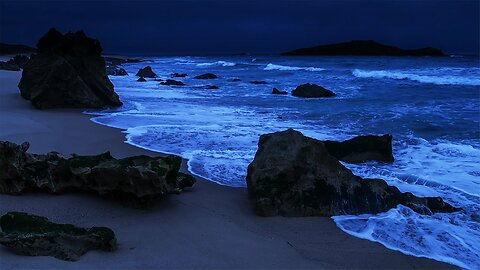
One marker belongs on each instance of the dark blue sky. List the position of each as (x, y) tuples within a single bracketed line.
[(230, 26)]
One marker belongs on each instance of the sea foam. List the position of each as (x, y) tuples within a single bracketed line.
[(290, 68)]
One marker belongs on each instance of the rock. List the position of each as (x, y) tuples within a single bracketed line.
[(362, 148), (146, 72), (235, 80), (364, 47), (258, 82), (178, 75), (141, 79), (275, 91), (15, 49), (172, 82), (135, 181), (293, 175), (211, 87), (116, 71), (67, 72), (116, 61), (311, 91), (9, 66), (32, 235), (15, 64), (206, 76)]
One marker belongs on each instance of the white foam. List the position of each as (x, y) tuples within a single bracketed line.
[(217, 63), (419, 76), (290, 68)]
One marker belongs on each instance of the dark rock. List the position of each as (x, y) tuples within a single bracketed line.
[(364, 47), (178, 75), (32, 235), (15, 64), (136, 181), (116, 61), (293, 175), (15, 49), (146, 72), (211, 87), (362, 148), (172, 82), (9, 66), (258, 82), (141, 79), (206, 76), (235, 80), (116, 71), (67, 72), (309, 90), (275, 91)]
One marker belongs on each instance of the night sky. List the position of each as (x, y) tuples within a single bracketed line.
[(223, 26)]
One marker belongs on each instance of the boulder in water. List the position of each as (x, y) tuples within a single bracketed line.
[(141, 79), (172, 82), (146, 72), (309, 90), (275, 91), (178, 75), (206, 76)]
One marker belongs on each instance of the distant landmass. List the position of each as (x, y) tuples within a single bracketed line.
[(15, 49), (364, 47)]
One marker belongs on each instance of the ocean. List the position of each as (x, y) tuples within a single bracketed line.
[(431, 106)]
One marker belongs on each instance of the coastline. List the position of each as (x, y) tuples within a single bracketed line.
[(209, 226)]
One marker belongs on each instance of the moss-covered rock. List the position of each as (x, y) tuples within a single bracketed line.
[(31, 235), (135, 181), (293, 175)]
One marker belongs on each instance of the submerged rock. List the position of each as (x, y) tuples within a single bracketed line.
[(206, 76), (172, 82), (211, 87), (32, 235), (293, 175), (362, 148), (309, 90), (141, 79), (146, 72), (235, 80), (178, 75), (68, 71), (136, 181), (275, 91), (258, 82)]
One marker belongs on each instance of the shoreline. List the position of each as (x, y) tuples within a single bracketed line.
[(208, 226)]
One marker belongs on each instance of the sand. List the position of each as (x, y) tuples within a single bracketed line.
[(207, 227)]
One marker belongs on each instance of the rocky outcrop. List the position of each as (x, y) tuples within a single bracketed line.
[(146, 72), (116, 71), (15, 64), (275, 91), (309, 90), (362, 148), (293, 175), (178, 75), (15, 49), (141, 79), (172, 82), (364, 47), (32, 235), (258, 82), (113, 63), (67, 72), (211, 87), (206, 76), (136, 181)]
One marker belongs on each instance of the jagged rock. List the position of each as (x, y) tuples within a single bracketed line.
[(116, 71), (258, 82), (309, 90), (146, 72), (172, 82), (364, 47), (135, 181), (31, 235), (293, 175), (67, 71), (275, 91), (178, 75), (362, 148), (235, 80), (206, 76), (141, 79)]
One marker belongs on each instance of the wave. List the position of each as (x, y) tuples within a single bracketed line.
[(440, 79), (291, 68), (217, 63)]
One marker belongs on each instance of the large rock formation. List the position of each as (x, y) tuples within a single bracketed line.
[(146, 72), (67, 71), (32, 235), (364, 47), (15, 64), (136, 181), (362, 148), (293, 175), (309, 90)]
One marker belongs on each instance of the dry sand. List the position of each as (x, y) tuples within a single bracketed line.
[(208, 227)]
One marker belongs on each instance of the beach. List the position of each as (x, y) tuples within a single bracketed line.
[(207, 227)]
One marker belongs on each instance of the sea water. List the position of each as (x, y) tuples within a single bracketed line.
[(431, 106)]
